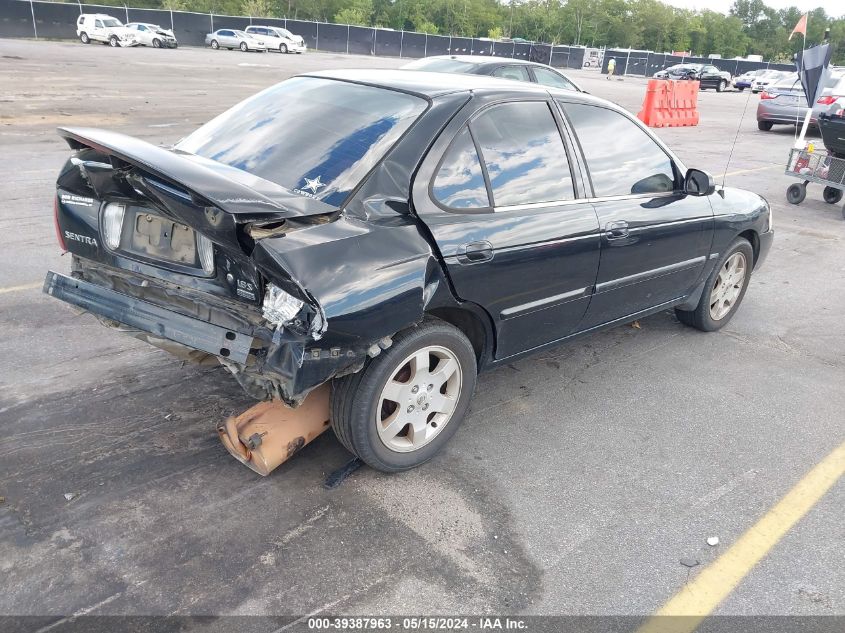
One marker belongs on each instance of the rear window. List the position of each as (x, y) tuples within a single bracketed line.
[(440, 65), (316, 137)]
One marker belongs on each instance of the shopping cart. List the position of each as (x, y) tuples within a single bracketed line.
[(817, 166)]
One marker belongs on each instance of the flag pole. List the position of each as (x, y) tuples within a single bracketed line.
[(799, 142)]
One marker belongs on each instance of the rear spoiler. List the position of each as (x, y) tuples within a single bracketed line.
[(207, 182)]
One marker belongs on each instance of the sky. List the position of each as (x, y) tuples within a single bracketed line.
[(835, 8)]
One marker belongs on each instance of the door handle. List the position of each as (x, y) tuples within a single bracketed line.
[(475, 252), (616, 230)]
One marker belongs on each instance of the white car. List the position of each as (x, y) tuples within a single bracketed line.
[(99, 27), (766, 78), (278, 39), (153, 35), (233, 38)]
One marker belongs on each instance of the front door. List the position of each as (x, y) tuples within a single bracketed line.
[(506, 207), (655, 239)]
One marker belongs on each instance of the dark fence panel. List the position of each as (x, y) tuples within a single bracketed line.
[(55, 20), (387, 43), (191, 28), (541, 53), (16, 19), (482, 47), (414, 44), (503, 49), (437, 45), (361, 40), (522, 51), (229, 22), (332, 37), (306, 30), (460, 46), (150, 16), (576, 56)]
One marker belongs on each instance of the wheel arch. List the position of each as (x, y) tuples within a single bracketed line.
[(754, 239), (475, 326)]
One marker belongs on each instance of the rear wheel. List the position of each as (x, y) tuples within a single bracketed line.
[(283, 48), (406, 403), (764, 126), (114, 42), (84, 37), (796, 193), (741, 88), (724, 289), (244, 47), (156, 43), (722, 85), (832, 195), (215, 44)]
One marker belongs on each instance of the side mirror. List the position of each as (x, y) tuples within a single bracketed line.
[(698, 183)]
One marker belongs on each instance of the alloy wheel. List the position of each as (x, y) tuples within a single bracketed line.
[(419, 399), (728, 286)]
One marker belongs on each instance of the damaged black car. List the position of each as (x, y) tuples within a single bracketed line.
[(392, 234)]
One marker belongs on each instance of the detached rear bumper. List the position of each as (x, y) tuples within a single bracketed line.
[(145, 316)]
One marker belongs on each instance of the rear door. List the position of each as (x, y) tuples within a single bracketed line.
[(655, 239), (506, 206)]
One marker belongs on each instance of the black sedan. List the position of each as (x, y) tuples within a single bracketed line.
[(709, 76), (495, 67), (431, 226)]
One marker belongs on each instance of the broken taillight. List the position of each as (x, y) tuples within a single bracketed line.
[(827, 100), (767, 95), (56, 223)]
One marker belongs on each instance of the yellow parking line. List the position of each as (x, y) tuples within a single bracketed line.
[(32, 286), (748, 171), (700, 597)]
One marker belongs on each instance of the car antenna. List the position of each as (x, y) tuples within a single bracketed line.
[(733, 145)]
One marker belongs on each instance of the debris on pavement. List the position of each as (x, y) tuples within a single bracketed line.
[(690, 562), (70, 496), (713, 541)]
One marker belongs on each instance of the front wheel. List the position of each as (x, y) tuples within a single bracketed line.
[(796, 193), (114, 42), (722, 85), (84, 37), (741, 88), (156, 43), (407, 402), (724, 289), (244, 47), (283, 48), (832, 195)]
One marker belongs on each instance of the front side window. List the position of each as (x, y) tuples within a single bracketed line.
[(517, 73), (523, 151), (316, 137), (111, 23), (552, 79), (621, 158), (98, 24), (459, 183)]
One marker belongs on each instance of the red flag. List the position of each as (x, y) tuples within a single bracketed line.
[(801, 27)]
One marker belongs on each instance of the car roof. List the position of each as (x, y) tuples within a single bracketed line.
[(97, 15), (434, 84), (486, 59)]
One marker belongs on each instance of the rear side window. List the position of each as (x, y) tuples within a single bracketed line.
[(459, 183), (316, 137), (622, 159), (524, 155), (512, 72)]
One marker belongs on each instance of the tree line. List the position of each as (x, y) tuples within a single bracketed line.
[(751, 27)]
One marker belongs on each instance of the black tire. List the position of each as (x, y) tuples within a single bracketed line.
[(215, 44), (700, 318), (283, 48), (741, 89), (114, 42), (84, 38), (796, 193), (722, 85), (764, 126), (244, 47), (356, 396), (156, 43), (832, 195)]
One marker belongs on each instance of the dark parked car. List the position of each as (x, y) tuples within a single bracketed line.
[(709, 76), (495, 67), (432, 226)]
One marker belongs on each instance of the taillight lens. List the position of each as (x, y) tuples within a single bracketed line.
[(827, 100), (767, 95), (206, 252), (113, 224), (59, 235)]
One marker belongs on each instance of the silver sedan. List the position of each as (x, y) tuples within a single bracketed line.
[(232, 39)]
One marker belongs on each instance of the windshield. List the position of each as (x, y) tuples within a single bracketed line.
[(440, 65), (316, 137), (111, 22)]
